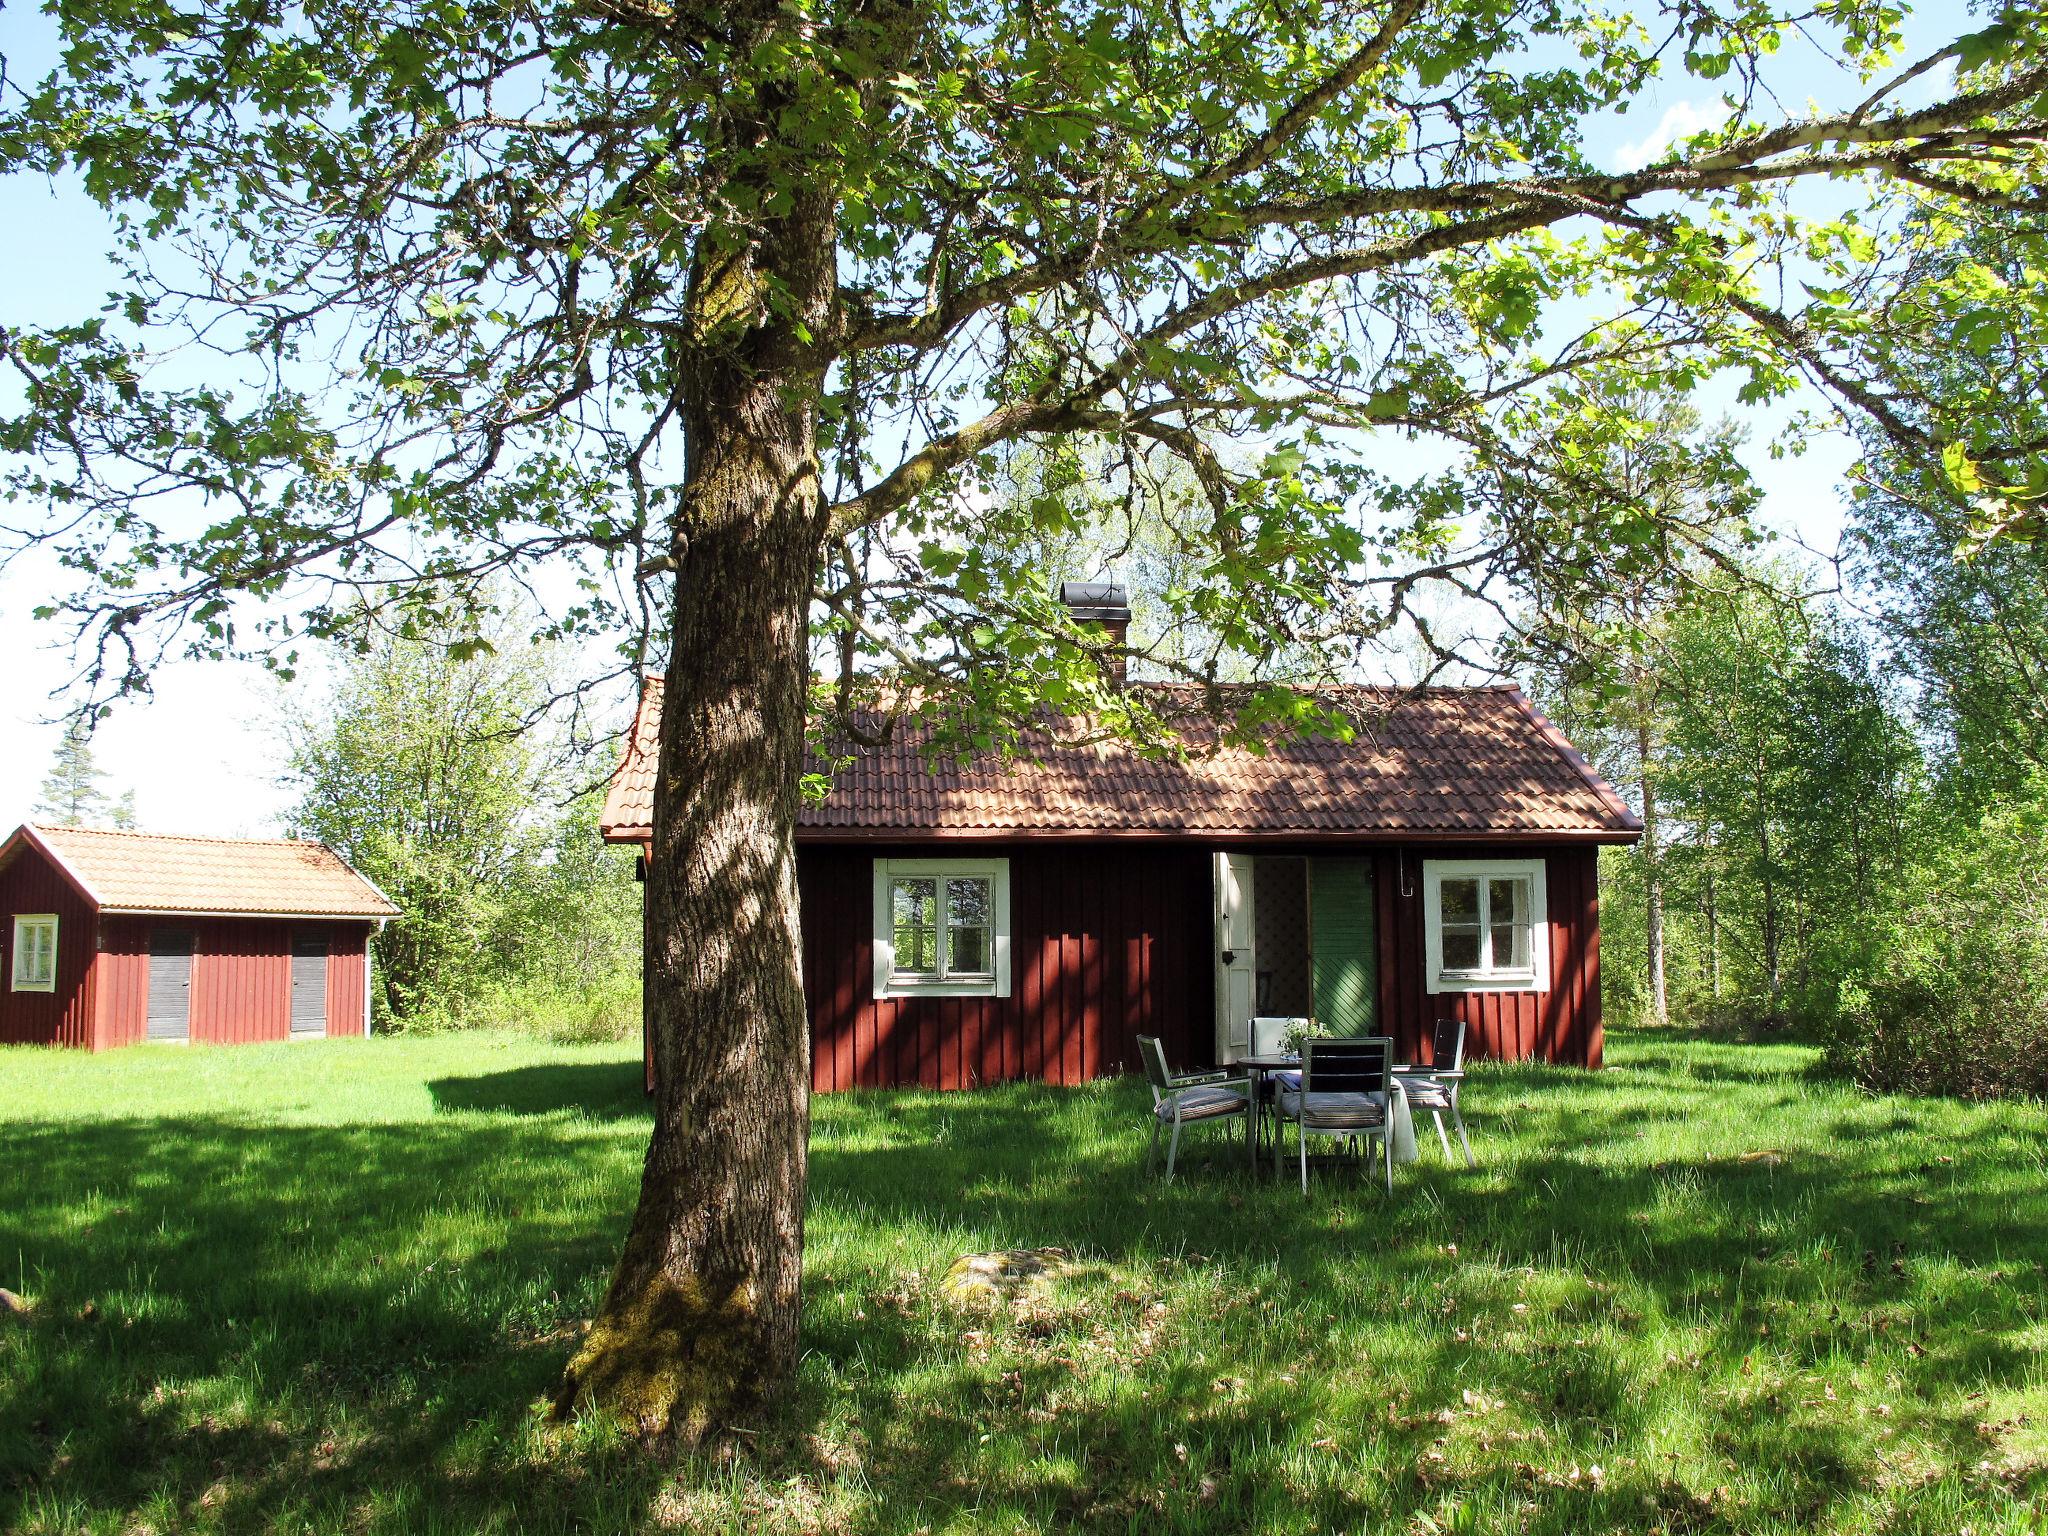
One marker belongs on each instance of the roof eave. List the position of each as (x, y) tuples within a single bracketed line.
[(32, 835), (383, 916), (641, 837)]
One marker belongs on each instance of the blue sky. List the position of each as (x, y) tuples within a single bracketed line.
[(202, 754)]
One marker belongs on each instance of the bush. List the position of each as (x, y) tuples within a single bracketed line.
[(1972, 1039), (575, 1012), (1958, 1002)]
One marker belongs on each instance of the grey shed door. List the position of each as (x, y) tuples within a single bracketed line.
[(309, 984), (170, 983)]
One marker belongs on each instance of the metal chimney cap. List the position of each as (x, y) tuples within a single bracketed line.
[(1097, 599)]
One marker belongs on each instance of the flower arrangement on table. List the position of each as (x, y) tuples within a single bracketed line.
[(1303, 1029)]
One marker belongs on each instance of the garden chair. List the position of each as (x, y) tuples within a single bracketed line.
[(1184, 1100), (1269, 1038), (1435, 1087), (1345, 1091)]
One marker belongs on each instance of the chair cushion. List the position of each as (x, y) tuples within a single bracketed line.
[(1334, 1111), (1426, 1093), (1200, 1103)]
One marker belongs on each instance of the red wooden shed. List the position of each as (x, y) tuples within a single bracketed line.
[(971, 922), (114, 938)]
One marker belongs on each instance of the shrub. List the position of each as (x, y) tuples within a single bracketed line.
[(1958, 1001)]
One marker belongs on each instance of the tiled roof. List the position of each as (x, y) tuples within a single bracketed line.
[(1435, 762), (144, 872)]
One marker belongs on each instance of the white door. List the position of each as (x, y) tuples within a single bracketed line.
[(1236, 959)]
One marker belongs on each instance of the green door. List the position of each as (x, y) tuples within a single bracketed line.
[(1345, 945)]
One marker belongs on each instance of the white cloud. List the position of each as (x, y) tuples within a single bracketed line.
[(1681, 120)]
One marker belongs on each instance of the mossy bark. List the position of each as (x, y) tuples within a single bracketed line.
[(700, 1323)]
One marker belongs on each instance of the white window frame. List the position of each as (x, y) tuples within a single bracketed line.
[(1435, 978), (887, 982), (24, 923)]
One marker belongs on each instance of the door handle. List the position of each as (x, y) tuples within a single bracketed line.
[(1230, 957)]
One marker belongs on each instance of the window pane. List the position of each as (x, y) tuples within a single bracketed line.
[(915, 927), (970, 950), (1459, 901), (967, 901), (917, 901), (1507, 901), (917, 950), (1461, 948)]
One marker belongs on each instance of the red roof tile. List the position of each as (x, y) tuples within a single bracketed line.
[(221, 876), (1439, 762)]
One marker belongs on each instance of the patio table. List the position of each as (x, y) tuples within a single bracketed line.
[(1258, 1068)]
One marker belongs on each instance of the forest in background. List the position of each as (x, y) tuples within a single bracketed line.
[(1843, 769)]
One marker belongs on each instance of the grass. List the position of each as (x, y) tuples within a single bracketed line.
[(325, 1288)]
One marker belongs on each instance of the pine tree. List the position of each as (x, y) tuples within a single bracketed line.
[(71, 795)]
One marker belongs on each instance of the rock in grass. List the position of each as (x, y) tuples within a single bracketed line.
[(12, 1305), (1008, 1274)]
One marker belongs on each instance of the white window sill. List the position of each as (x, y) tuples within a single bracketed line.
[(1498, 981), (984, 986)]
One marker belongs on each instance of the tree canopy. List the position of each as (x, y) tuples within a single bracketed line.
[(436, 274)]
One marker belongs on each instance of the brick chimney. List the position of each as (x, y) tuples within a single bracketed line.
[(1106, 603)]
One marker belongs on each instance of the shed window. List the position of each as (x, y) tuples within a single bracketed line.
[(942, 926), (1484, 925), (35, 953)]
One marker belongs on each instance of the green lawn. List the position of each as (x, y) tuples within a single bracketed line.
[(326, 1288)]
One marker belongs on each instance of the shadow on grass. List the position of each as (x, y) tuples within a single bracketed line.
[(246, 1326), (598, 1090)]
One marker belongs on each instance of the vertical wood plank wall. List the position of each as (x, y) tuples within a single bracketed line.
[(241, 978), (346, 947), (1561, 1024), (123, 971), (1111, 941), (1106, 944), (31, 884)]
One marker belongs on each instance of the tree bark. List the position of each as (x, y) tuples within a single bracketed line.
[(1767, 880), (699, 1326), (1713, 924), (1653, 870)]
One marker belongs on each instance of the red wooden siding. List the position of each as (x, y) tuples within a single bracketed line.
[(346, 949), (1105, 945), (1111, 941), (1115, 941), (1561, 1024), (123, 972), (32, 884), (241, 978)]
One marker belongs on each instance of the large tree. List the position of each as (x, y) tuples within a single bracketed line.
[(721, 307)]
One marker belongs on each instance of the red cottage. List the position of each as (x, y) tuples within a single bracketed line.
[(114, 938), (966, 924)]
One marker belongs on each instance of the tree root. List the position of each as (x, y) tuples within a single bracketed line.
[(669, 1362)]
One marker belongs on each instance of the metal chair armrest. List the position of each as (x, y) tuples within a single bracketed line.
[(1216, 1079), (1445, 1075)]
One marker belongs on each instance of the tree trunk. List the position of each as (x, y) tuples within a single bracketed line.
[(699, 1326), (1773, 974), (1653, 872), (1713, 926)]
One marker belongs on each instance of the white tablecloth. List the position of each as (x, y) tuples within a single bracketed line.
[(1402, 1148)]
